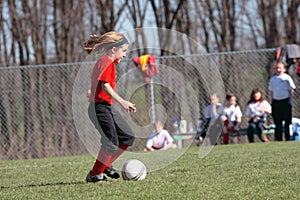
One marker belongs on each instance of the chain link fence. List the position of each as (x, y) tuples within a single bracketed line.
[(36, 101)]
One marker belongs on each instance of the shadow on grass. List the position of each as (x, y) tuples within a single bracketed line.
[(43, 185)]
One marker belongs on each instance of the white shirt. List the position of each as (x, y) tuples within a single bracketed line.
[(253, 108), (159, 140), (233, 112), (281, 86), (208, 111)]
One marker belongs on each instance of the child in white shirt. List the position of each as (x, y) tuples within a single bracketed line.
[(212, 114), (281, 89), (232, 117), (160, 139), (257, 110)]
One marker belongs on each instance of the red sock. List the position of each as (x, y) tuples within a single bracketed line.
[(121, 149), (225, 138), (103, 161), (226, 122)]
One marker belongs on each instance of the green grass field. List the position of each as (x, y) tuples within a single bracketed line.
[(247, 171)]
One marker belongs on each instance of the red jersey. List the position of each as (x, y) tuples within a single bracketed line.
[(104, 72)]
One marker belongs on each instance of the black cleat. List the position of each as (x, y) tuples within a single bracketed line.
[(93, 179), (111, 172)]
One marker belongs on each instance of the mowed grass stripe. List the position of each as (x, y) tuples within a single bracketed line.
[(247, 171)]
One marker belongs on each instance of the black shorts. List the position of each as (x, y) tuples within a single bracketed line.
[(111, 125), (157, 148)]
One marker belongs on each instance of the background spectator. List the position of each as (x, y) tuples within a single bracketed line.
[(160, 139), (257, 110), (281, 92), (232, 117), (212, 113)]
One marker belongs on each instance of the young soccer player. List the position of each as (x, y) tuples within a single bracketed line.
[(116, 134)]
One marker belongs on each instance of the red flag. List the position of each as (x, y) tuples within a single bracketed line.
[(146, 64)]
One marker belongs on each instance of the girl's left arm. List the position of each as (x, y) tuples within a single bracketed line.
[(130, 107)]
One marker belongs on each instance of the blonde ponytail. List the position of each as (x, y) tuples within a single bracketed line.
[(102, 43)]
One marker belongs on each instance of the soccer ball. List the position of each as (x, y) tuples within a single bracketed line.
[(134, 170)]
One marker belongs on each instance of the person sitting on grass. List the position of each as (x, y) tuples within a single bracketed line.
[(160, 139)]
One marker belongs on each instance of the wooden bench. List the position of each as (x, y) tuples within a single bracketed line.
[(179, 137), (268, 132)]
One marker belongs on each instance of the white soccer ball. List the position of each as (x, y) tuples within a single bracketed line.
[(134, 170)]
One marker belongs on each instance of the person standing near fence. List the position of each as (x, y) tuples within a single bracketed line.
[(281, 92), (116, 134), (257, 110)]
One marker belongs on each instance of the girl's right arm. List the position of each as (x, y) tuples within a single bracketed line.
[(291, 96), (249, 113), (270, 96)]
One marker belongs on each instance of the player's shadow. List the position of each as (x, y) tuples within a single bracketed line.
[(43, 185)]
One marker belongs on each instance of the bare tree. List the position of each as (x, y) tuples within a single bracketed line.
[(19, 33), (5, 136), (18, 14), (252, 25), (38, 14), (137, 13), (165, 14), (222, 23), (67, 25), (4, 60), (290, 19), (214, 21), (39, 32), (104, 15), (267, 12), (203, 29)]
